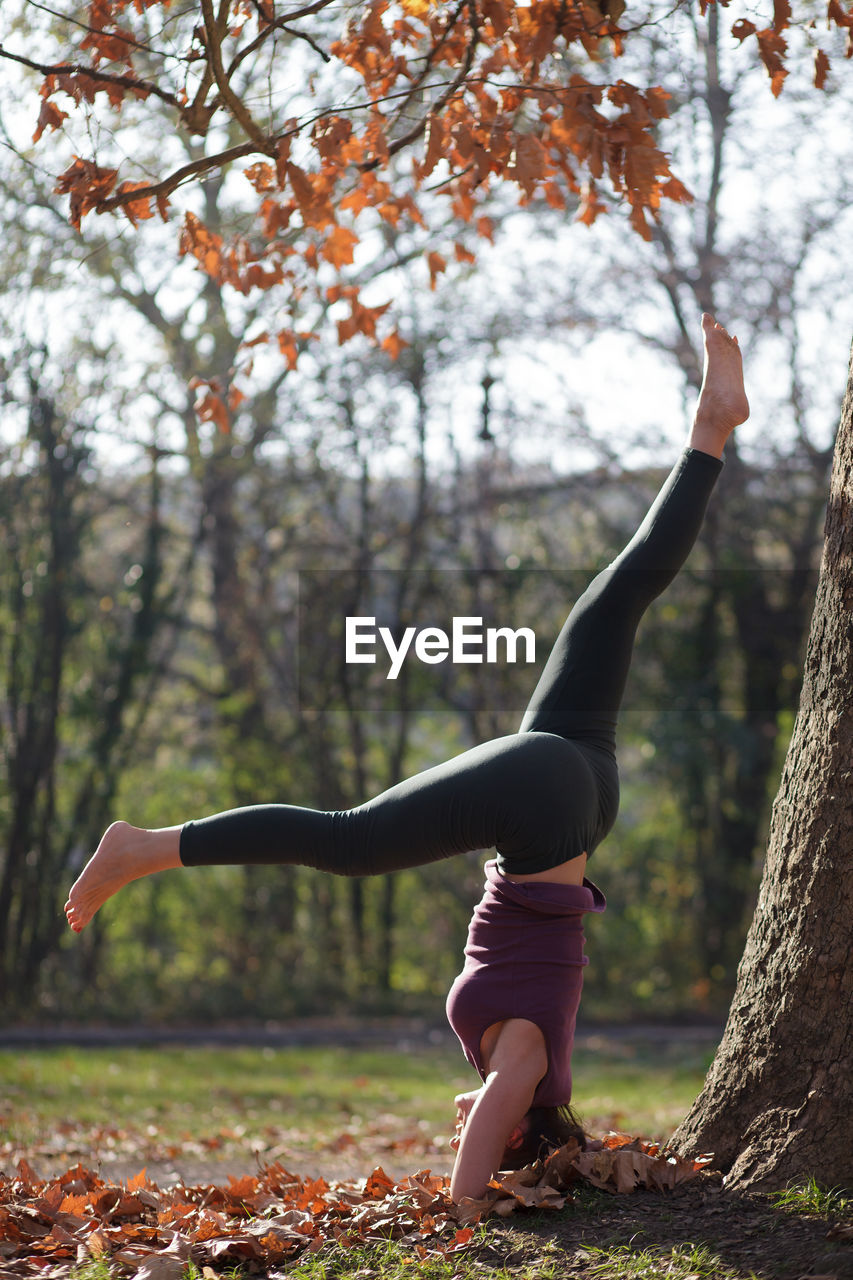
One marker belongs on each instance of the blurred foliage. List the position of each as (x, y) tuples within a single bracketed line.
[(268, 943)]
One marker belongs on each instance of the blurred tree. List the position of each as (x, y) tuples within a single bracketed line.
[(80, 661), (464, 97)]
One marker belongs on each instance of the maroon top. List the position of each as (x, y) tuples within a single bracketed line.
[(524, 958)]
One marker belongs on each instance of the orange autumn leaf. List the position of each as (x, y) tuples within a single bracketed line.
[(591, 204), (675, 190), (256, 341), (136, 210), (773, 47), (434, 139), (204, 245), (262, 176), (88, 185), (781, 14), (393, 344), (339, 247), (527, 162), (287, 346), (378, 1183), (436, 264), (50, 117), (209, 405)]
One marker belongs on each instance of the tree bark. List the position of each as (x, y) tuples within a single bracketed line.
[(778, 1100)]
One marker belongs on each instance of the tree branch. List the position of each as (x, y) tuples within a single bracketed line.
[(70, 69), (213, 41), (443, 98), (279, 25), (114, 35), (202, 165)]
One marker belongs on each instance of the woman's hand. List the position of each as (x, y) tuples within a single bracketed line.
[(464, 1103)]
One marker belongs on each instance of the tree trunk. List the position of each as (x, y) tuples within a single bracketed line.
[(778, 1100)]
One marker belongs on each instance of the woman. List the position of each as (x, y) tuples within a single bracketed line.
[(544, 798)]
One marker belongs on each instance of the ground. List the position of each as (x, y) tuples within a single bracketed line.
[(338, 1112), (648, 1234)]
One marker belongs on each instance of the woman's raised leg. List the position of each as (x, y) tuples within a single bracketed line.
[(581, 688)]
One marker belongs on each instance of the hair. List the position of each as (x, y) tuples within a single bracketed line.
[(545, 1128)]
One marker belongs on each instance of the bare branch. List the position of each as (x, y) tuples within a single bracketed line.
[(279, 25), (303, 35), (213, 42)]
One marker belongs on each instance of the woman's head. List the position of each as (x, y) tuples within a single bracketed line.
[(542, 1129)]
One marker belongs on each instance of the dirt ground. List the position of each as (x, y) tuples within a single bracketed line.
[(744, 1232)]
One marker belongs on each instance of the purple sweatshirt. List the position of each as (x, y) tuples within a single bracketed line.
[(524, 958)]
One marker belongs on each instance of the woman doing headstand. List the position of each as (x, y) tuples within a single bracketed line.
[(544, 798)]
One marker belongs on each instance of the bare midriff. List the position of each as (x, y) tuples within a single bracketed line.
[(571, 872)]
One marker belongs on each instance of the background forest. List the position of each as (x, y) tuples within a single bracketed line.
[(173, 588)]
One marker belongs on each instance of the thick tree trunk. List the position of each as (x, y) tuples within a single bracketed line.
[(778, 1100)]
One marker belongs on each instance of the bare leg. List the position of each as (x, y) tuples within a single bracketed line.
[(722, 400), (125, 853)]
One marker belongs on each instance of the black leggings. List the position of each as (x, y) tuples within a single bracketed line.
[(540, 796)]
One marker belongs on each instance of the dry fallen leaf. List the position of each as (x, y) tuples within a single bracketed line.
[(52, 1226)]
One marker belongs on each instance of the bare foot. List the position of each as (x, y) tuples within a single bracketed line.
[(125, 853), (722, 399)]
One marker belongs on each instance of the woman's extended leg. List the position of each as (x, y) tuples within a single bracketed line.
[(497, 793), (581, 688)]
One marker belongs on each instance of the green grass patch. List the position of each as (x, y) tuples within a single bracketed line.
[(96, 1269), (638, 1087), (677, 1263), (393, 1260), (174, 1093), (809, 1196), (211, 1089)]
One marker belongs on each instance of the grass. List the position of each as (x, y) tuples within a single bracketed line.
[(176, 1094), (683, 1262), (393, 1261), (810, 1197), (298, 1100), (201, 1091), (98, 1269)]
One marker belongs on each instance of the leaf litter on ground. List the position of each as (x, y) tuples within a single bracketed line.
[(264, 1221), (121, 1149)]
